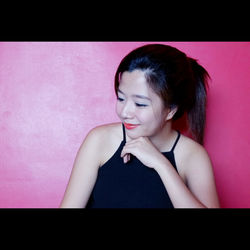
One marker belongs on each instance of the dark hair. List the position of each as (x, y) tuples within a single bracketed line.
[(179, 80)]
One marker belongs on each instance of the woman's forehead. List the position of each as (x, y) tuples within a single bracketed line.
[(135, 83)]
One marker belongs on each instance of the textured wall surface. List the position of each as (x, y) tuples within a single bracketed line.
[(53, 93)]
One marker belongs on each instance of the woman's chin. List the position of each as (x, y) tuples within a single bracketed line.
[(133, 135)]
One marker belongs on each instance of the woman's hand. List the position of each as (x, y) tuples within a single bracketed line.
[(143, 149)]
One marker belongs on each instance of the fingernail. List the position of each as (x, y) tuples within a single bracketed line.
[(128, 157)]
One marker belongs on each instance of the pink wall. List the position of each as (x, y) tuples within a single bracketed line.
[(53, 93)]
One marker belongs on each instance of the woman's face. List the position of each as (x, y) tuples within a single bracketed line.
[(139, 107)]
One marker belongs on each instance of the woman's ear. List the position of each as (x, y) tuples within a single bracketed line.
[(171, 113)]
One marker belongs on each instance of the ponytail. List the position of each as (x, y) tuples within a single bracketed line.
[(197, 113)]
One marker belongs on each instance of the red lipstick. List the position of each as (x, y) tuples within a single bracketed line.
[(130, 126)]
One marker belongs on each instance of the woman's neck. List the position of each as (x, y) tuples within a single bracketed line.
[(163, 139)]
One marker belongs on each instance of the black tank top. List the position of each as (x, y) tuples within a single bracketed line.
[(130, 185)]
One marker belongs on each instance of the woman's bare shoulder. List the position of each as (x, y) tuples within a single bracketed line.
[(99, 140), (109, 130), (197, 169), (109, 136), (190, 153), (188, 147)]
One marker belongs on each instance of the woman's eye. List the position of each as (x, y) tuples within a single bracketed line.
[(120, 99), (141, 105), (136, 104)]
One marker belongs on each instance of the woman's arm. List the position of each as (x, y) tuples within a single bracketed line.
[(84, 172), (200, 189), (198, 192)]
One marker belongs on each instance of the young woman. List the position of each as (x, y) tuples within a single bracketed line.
[(143, 162)]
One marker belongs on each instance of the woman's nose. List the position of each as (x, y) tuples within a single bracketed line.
[(128, 110)]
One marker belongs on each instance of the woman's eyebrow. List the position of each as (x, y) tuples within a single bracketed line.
[(142, 97), (137, 96)]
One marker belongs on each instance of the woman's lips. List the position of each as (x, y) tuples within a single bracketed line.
[(130, 126)]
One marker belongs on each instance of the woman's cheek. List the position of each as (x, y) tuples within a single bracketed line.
[(145, 116), (118, 109)]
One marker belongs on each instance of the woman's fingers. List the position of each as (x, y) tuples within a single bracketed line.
[(129, 148), (126, 158), (125, 154)]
